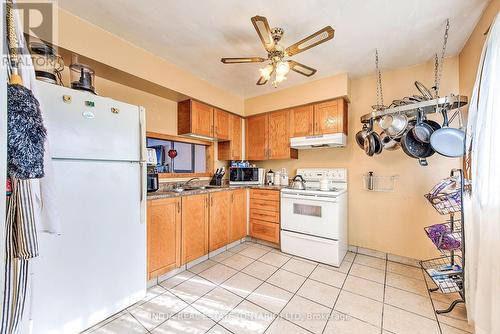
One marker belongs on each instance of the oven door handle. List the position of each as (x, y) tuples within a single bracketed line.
[(309, 197)]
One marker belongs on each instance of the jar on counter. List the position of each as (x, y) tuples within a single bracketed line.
[(277, 178)]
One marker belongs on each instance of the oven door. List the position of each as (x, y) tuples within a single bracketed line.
[(311, 215)]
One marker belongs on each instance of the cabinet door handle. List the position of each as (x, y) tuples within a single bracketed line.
[(178, 207), (211, 201)]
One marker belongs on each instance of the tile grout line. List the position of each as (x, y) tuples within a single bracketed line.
[(340, 291), (383, 299), (293, 295), (245, 299)]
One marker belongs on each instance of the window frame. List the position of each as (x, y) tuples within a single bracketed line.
[(209, 154)]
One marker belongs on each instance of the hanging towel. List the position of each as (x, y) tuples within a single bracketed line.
[(26, 134), (21, 245)]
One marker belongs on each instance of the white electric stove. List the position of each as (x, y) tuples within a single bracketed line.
[(314, 221)]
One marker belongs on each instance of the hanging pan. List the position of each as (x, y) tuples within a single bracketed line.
[(415, 148), (448, 141), (422, 131)]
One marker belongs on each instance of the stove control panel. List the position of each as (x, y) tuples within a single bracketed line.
[(316, 174)]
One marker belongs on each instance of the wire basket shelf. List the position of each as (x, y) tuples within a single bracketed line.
[(446, 204), (446, 272), (446, 236)]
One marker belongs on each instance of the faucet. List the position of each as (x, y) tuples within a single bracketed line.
[(185, 184)]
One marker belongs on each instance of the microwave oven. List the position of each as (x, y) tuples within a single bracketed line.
[(246, 175)]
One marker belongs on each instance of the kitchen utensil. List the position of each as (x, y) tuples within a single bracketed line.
[(298, 182), (151, 158), (415, 148), (369, 145), (448, 141), (370, 180), (422, 131), (81, 76), (388, 143), (361, 135), (426, 93), (394, 125), (47, 63), (270, 177)]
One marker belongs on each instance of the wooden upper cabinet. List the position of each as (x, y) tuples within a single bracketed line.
[(194, 117), (163, 235), (219, 219), (221, 124), (302, 121), (279, 136), (232, 149), (194, 227), (257, 137), (238, 225), (330, 117), (236, 138)]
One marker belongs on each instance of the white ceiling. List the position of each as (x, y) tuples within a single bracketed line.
[(195, 34)]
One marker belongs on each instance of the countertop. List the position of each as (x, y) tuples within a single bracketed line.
[(169, 194)]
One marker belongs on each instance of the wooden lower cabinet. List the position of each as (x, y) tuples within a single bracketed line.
[(163, 235), (265, 230), (238, 225), (195, 217), (219, 219), (265, 215)]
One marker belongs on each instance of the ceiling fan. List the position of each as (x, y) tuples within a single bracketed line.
[(277, 55)]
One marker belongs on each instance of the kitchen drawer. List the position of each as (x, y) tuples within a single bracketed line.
[(266, 205), (265, 230), (269, 216), (265, 194)]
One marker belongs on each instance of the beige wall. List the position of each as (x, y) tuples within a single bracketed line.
[(470, 54), (391, 222)]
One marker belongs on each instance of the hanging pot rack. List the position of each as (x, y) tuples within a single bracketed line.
[(451, 103)]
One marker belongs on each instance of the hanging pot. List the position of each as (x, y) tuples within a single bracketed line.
[(388, 143), (447, 141), (394, 125), (422, 131), (372, 144), (415, 148), (361, 135)]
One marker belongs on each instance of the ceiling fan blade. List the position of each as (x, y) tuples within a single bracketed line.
[(242, 60), (301, 68), (317, 38), (264, 32)]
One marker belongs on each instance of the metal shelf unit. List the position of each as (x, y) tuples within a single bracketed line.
[(444, 270)]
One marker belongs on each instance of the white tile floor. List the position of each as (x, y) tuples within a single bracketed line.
[(252, 288)]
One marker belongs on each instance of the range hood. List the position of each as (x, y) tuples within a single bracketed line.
[(329, 140)]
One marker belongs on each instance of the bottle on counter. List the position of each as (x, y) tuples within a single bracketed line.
[(284, 177)]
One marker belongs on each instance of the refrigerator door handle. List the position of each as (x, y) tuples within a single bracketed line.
[(142, 130), (143, 191)]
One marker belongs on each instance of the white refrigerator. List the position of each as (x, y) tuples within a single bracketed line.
[(97, 265)]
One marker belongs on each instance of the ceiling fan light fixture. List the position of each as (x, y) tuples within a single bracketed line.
[(282, 68), (266, 71)]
